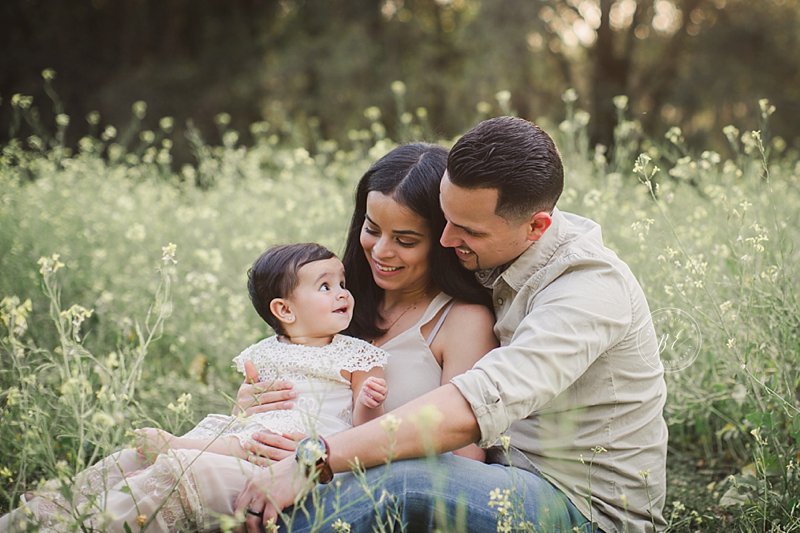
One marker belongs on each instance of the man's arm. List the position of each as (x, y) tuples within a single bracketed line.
[(372, 443), (418, 431)]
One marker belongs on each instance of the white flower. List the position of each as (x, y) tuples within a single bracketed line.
[(398, 88), (168, 253), (503, 97), (569, 96), (139, 109)]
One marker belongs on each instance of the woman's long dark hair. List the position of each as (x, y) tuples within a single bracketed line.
[(410, 174)]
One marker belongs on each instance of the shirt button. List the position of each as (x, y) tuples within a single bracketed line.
[(500, 301)]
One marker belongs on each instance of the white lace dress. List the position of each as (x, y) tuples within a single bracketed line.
[(324, 403), (188, 490)]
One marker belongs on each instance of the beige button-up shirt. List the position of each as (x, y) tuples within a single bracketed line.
[(577, 383)]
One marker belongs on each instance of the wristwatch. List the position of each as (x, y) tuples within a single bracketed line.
[(313, 454)]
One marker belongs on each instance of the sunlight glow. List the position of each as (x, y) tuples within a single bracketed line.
[(667, 17), (590, 11), (584, 32), (621, 14)]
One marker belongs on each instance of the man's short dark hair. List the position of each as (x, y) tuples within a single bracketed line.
[(274, 275), (513, 156)]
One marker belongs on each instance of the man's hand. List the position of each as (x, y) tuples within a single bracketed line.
[(269, 492), (373, 392), (259, 397)]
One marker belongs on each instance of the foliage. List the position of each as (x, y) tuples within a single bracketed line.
[(311, 66), (111, 339)]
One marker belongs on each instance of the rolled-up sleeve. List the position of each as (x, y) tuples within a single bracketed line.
[(560, 332)]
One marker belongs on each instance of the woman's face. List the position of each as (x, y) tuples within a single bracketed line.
[(396, 242)]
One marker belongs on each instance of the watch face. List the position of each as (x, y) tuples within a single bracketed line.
[(312, 455), (310, 451)]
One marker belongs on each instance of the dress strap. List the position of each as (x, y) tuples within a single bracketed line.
[(439, 323)]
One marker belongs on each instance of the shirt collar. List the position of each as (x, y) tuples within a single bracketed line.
[(534, 258)]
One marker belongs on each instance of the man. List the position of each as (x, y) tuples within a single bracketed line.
[(576, 389)]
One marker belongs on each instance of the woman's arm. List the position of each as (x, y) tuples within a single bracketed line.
[(464, 338), (369, 392), (259, 397)]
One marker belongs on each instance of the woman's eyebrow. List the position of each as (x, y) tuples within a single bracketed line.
[(407, 232), (397, 231)]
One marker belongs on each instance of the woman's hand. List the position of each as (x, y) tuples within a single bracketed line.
[(259, 397), (267, 447)]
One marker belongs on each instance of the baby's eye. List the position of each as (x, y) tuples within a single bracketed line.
[(324, 287), (342, 285)]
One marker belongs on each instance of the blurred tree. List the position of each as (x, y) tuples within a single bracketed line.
[(312, 66), (623, 47), (658, 51)]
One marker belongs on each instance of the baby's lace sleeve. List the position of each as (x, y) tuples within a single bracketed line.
[(363, 356), (246, 355)]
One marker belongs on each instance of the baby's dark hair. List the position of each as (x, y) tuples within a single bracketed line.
[(274, 275)]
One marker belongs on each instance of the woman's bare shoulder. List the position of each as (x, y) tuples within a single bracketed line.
[(466, 335), (468, 321), (466, 312)]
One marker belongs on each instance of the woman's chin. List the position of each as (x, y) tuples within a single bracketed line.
[(383, 283)]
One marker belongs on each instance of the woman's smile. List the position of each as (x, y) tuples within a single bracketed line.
[(396, 242), (384, 269)]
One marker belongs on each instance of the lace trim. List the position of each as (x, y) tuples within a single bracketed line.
[(219, 426), (278, 360), (182, 507), (170, 482)]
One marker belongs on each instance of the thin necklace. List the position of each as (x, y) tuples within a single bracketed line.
[(396, 320)]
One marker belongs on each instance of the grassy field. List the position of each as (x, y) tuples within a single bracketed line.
[(123, 287)]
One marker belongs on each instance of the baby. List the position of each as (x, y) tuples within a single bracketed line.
[(299, 290)]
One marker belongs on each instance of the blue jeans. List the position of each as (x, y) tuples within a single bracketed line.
[(447, 492)]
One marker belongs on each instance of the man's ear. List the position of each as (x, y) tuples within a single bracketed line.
[(281, 310), (538, 224)]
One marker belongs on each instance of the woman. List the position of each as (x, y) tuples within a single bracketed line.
[(404, 282), (399, 273)]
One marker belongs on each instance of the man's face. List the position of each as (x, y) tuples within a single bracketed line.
[(481, 238)]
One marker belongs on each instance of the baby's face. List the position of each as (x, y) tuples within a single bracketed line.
[(320, 301)]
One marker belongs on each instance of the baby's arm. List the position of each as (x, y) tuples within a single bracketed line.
[(152, 441), (369, 392)]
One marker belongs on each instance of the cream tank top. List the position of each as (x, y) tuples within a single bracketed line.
[(412, 369)]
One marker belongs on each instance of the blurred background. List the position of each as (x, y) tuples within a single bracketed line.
[(151, 149), (696, 64)]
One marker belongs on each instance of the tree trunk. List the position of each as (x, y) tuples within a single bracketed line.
[(610, 73)]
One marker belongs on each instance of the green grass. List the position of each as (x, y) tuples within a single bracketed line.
[(713, 236)]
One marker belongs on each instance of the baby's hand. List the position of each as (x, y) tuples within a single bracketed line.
[(373, 392), (151, 441)]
